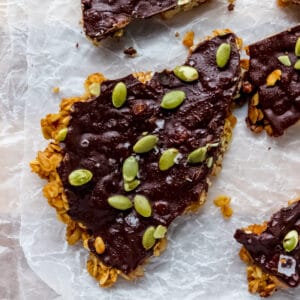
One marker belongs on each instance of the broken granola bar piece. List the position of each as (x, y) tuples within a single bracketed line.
[(274, 76), (135, 153), (272, 251), (103, 18)]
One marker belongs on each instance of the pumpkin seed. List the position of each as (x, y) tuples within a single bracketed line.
[(172, 99), (183, 2), (119, 202), (167, 159), (223, 55), (119, 94), (285, 60), (145, 144), (130, 168), (80, 177), (186, 73), (209, 162), (213, 145), (297, 65), (297, 47), (148, 240), (94, 89), (160, 232), (132, 185), (197, 156), (61, 135), (290, 241), (142, 206)]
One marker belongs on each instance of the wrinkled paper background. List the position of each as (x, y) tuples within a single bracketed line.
[(38, 52)]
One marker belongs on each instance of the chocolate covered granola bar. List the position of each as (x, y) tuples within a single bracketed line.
[(103, 18), (134, 153), (274, 82), (272, 251)]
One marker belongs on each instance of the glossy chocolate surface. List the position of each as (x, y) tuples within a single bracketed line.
[(100, 137), (104, 17), (280, 103), (267, 249)]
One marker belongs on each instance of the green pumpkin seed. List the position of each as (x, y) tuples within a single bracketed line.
[(182, 2), (119, 94), (290, 241), (223, 55), (197, 156), (167, 159), (132, 185), (119, 202), (172, 99), (130, 168), (297, 65), (61, 135), (80, 177), (297, 47), (186, 73), (285, 60), (160, 232), (148, 240), (142, 206), (145, 144), (213, 145), (94, 89), (209, 162)]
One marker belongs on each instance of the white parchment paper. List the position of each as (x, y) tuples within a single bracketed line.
[(259, 173)]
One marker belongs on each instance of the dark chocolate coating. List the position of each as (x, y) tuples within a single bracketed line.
[(102, 18), (280, 103), (100, 137), (267, 247)]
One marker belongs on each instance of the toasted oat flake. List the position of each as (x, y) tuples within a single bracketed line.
[(55, 90), (188, 39)]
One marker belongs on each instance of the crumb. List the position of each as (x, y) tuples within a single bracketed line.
[(130, 51), (223, 201), (77, 45), (247, 87), (245, 64), (188, 39), (55, 90), (269, 148), (177, 34), (231, 5)]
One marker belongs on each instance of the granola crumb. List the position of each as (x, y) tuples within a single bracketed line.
[(130, 51), (230, 6), (223, 202), (177, 34), (55, 90), (188, 39)]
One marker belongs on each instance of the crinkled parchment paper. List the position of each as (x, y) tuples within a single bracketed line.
[(15, 275), (259, 173)]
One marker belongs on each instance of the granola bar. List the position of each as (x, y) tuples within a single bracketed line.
[(133, 154), (273, 80), (272, 251), (102, 18)]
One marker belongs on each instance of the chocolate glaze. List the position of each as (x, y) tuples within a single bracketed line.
[(100, 137), (266, 248), (280, 103), (103, 17)]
